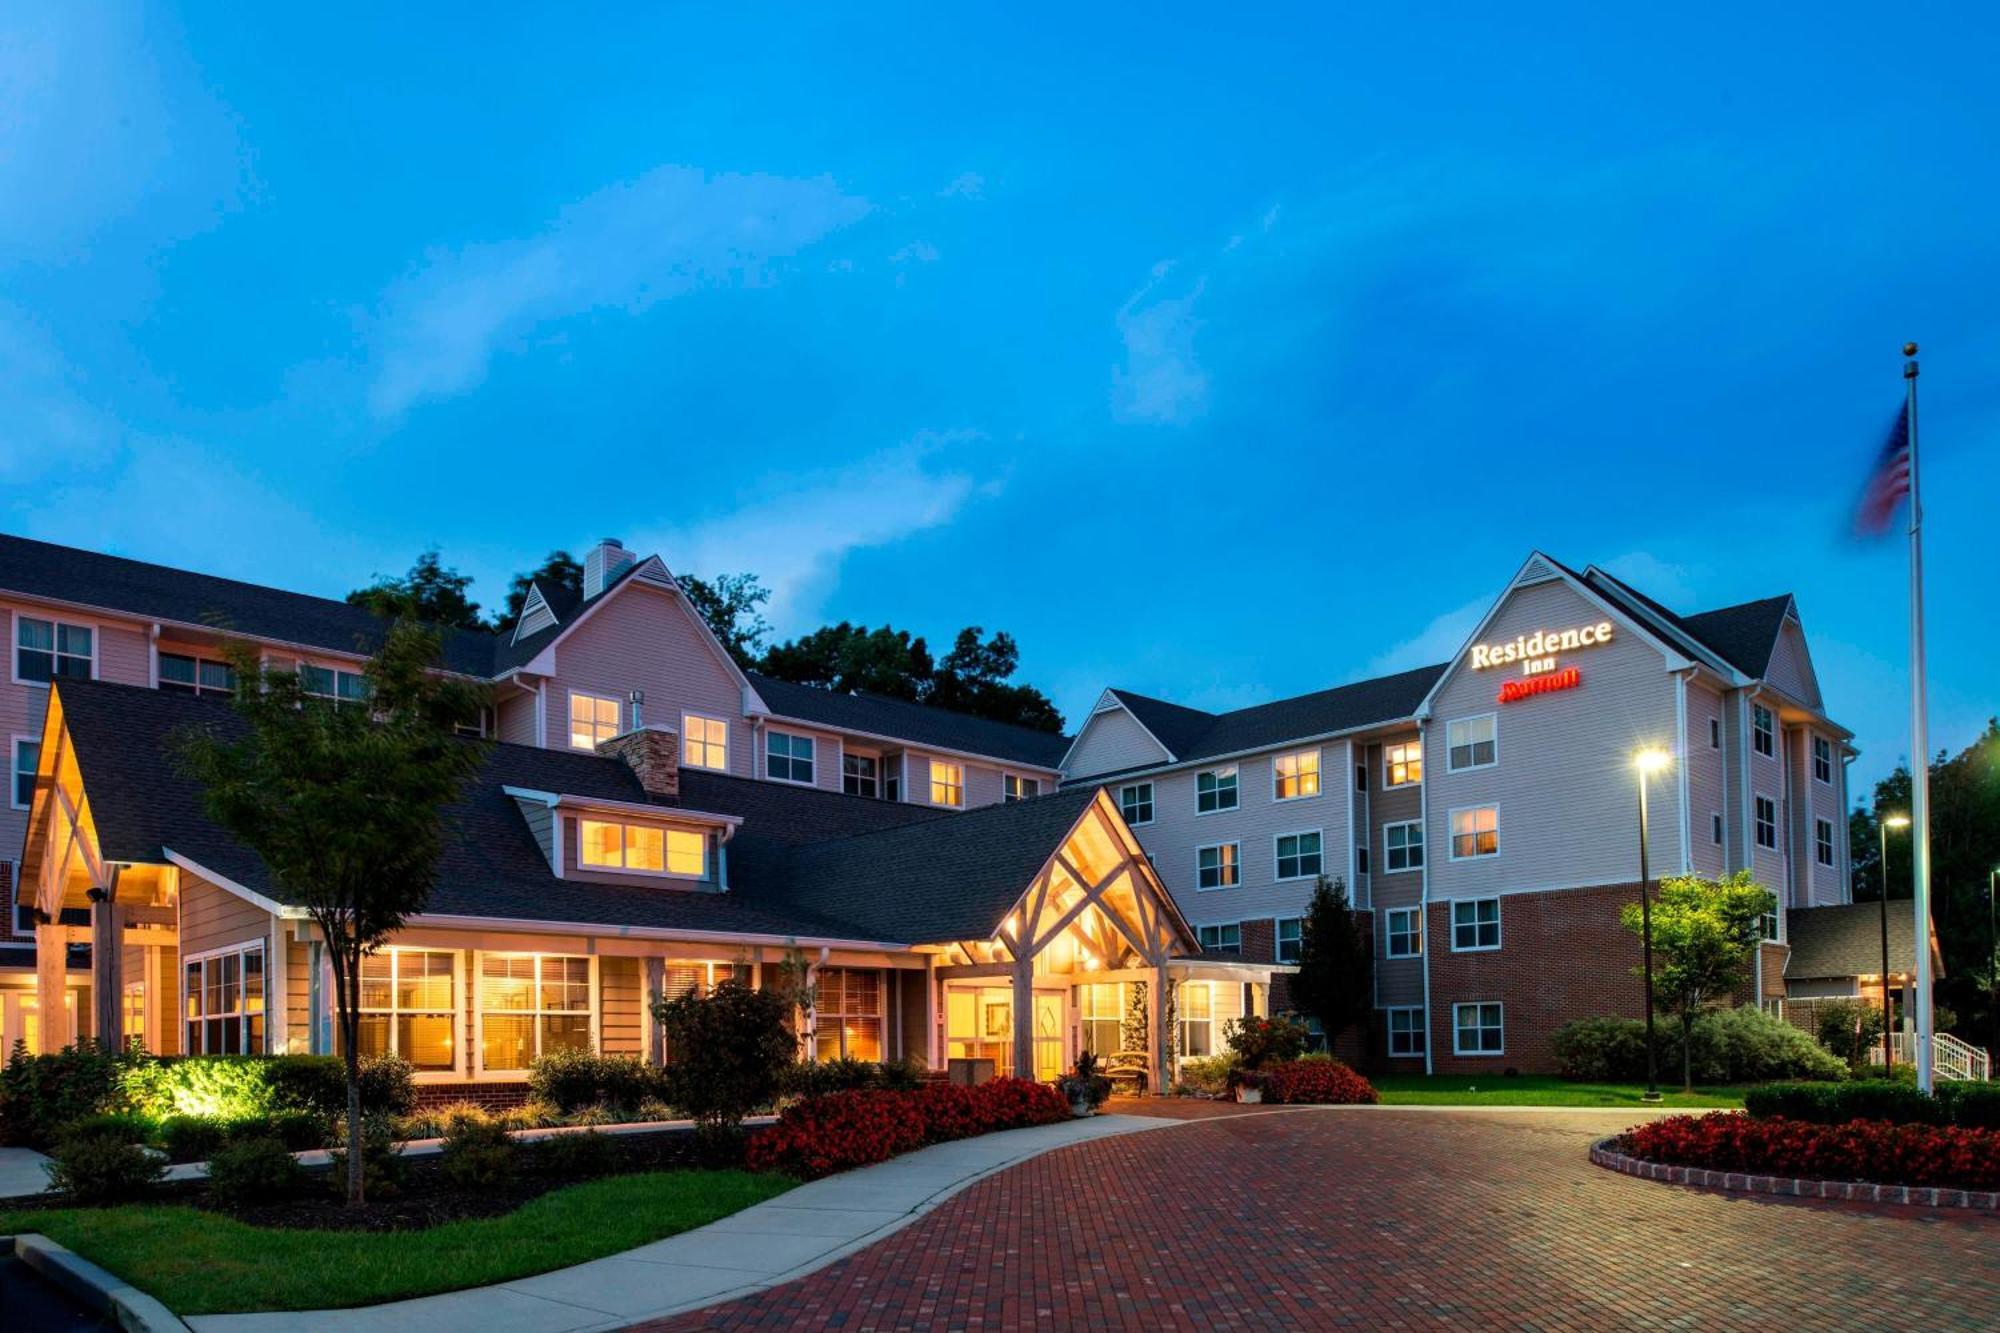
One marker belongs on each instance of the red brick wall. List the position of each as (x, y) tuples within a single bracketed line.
[(1563, 955), (1771, 962), (492, 1096)]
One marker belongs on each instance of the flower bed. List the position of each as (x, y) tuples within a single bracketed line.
[(1319, 1083), (843, 1130), (1861, 1150)]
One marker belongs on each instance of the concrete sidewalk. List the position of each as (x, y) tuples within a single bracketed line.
[(21, 1172), (763, 1246)]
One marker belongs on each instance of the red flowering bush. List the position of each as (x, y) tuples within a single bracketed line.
[(1860, 1150), (843, 1130), (1319, 1082)]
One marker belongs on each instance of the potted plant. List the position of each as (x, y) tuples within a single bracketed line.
[(1086, 1086), (1249, 1085)]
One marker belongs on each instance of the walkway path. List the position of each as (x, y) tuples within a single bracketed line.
[(1366, 1217), (21, 1172)]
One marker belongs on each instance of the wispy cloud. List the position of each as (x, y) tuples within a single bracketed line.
[(965, 185), (1160, 380), (626, 247), (1435, 642), (48, 425)]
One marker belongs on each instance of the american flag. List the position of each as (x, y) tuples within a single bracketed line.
[(1889, 484)]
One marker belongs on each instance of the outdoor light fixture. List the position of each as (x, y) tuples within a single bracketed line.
[(1888, 1032), (1648, 762)]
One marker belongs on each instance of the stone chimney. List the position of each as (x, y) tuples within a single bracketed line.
[(654, 753), (603, 564)]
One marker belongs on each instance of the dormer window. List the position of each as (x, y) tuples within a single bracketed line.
[(341, 687), (592, 718), (608, 845), (788, 758)]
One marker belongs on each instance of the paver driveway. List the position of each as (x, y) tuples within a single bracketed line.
[(1373, 1217)]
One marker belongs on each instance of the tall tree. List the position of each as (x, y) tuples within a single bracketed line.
[(1334, 980), (430, 592), (1705, 933), (854, 659), (973, 678), (732, 604), (345, 805), (559, 570)]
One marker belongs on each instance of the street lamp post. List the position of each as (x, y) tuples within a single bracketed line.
[(1888, 1050), (1993, 956), (1648, 762)]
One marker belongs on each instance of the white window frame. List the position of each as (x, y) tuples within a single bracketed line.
[(1764, 737), (14, 774), (339, 674), (1822, 757), (873, 779), (570, 720), (842, 1016), (1234, 864), (1414, 933), (1008, 797), (1278, 924), (1475, 925), (1458, 1049), (459, 999), (1413, 757), (1299, 775), (791, 758), (1823, 847), (1420, 1030), (1220, 941), (1757, 821), (242, 1013), (953, 782), (625, 842), (198, 688), (95, 630), (1494, 762), (1451, 832), (1277, 839), (1235, 789), (1152, 810), (475, 1059), (1183, 1022), (693, 744), (1411, 865)]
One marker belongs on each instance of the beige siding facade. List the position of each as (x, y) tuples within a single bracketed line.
[(1112, 741), (214, 918), (1707, 780)]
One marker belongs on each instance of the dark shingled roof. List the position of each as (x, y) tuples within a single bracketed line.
[(1847, 941), (1191, 734), (566, 604), (919, 724), (110, 582), (1745, 635), (803, 862)]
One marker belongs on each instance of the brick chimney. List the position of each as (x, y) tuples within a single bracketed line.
[(603, 563), (654, 753)]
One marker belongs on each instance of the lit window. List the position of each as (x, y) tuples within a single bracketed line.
[(1019, 789), (196, 675), (1197, 1011), (531, 1005), (1215, 790), (1221, 937), (1475, 832), (1478, 1029), (1403, 845), (342, 687), (45, 650), (947, 783), (788, 758), (1135, 802), (592, 718), (860, 775), (1715, 824), (642, 847), (1217, 867), (1298, 855), (847, 1014), (1475, 925), (132, 1013), (1101, 1017), (1822, 759), (1763, 733), (223, 998), (1471, 742), (27, 757), (1295, 775), (409, 1006), (1406, 1030), (1403, 764), (679, 977), (1405, 932), (1823, 841), (1291, 938), (1767, 823), (704, 742)]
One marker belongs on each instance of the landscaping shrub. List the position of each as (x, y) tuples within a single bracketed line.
[(41, 1096), (123, 1126), (1602, 1050), (1971, 1105), (817, 1078), (843, 1130), (477, 1154), (1257, 1042), (252, 1171), (654, 1109), (573, 1079), (383, 1167), (299, 1131), (729, 1049), (1740, 1045), (247, 1087), (1322, 1082), (102, 1168), (532, 1114), (1860, 1150), (574, 1156), (1967, 1105), (1850, 1029), (192, 1138), (1206, 1076)]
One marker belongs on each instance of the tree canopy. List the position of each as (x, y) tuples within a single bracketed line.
[(559, 569), (732, 604), (430, 592), (1333, 983), (972, 678), (1705, 933)]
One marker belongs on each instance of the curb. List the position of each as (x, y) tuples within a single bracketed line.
[(1605, 1155), (127, 1306)]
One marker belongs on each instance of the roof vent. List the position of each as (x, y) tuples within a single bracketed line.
[(603, 565)]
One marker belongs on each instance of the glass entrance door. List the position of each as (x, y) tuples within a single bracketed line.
[(979, 1025), (1049, 1062)]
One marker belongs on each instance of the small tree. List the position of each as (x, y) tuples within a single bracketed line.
[(726, 1052), (1851, 1029), (1704, 935), (344, 804), (1333, 983)]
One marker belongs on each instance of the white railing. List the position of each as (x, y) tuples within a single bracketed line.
[(1950, 1057)]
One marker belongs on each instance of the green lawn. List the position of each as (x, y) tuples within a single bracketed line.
[(202, 1263), (1538, 1090)]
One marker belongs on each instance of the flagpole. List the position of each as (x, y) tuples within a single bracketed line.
[(1920, 768)]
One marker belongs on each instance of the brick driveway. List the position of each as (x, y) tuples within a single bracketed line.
[(1364, 1218)]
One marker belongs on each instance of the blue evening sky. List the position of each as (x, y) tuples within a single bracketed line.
[(1219, 356)]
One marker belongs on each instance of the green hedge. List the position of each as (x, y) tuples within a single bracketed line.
[(1740, 1045), (1968, 1105)]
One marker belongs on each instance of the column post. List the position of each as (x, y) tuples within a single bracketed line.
[(107, 966), (1024, 1017), (51, 985), (1159, 1040)]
